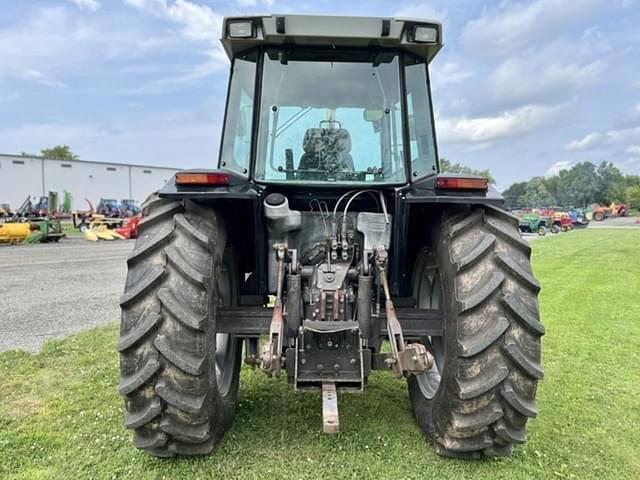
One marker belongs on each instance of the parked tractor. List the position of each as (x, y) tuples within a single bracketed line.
[(326, 245), (532, 222), (129, 208), (109, 207)]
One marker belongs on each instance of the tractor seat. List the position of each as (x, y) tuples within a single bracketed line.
[(326, 149)]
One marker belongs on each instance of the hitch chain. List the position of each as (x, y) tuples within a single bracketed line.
[(411, 359)]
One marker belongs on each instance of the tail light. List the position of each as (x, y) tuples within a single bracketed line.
[(462, 183), (201, 178)]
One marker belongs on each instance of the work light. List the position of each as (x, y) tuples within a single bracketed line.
[(242, 29), (423, 34)]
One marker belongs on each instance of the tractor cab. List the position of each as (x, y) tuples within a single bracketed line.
[(328, 100)]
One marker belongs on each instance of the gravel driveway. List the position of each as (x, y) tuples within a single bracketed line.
[(54, 290)]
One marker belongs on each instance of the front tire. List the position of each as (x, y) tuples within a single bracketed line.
[(179, 379), (478, 397)]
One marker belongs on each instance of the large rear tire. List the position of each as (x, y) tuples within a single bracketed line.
[(477, 398), (179, 379)]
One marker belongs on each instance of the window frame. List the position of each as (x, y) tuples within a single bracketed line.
[(429, 101), (248, 169)]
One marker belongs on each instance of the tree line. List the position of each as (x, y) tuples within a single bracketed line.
[(579, 186)]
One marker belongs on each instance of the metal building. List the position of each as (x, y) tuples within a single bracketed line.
[(21, 176)]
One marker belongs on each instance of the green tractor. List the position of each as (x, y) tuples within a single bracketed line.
[(327, 244), (532, 222)]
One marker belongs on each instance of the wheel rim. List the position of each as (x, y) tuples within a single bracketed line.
[(226, 345), (428, 295)]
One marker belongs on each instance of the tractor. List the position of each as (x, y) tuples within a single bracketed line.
[(325, 245), (109, 207), (533, 222)]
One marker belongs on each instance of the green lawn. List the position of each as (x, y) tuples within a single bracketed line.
[(60, 415)]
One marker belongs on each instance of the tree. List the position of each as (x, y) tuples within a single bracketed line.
[(537, 195), (632, 196), (447, 167), (612, 183), (579, 186), (514, 195), (59, 152)]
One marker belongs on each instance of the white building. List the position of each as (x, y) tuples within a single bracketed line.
[(21, 176)]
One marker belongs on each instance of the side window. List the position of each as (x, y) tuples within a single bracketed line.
[(422, 142), (236, 141)]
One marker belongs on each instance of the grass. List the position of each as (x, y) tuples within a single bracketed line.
[(60, 415)]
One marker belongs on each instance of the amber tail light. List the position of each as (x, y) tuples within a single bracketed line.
[(201, 178)]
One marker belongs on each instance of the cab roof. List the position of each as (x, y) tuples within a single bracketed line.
[(329, 31)]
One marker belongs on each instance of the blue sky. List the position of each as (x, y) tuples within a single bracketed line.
[(521, 87)]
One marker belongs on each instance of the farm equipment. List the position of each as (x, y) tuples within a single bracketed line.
[(130, 208), (98, 230), (325, 232), (104, 229), (562, 220), (45, 231), (531, 222), (579, 217), (38, 208), (42, 231), (14, 233), (109, 207), (83, 219), (5, 211), (130, 229), (601, 212)]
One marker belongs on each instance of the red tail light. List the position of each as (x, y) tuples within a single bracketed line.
[(462, 183), (202, 178)]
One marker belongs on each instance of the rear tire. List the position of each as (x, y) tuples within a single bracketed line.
[(179, 379), (477, 399)]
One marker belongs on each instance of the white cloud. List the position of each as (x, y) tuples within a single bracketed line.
[(623, 134), (92, 5), (52, 43), (253, 3), (485, 129), (57, 47), (421, 10), (178, 142), (588, 141), (450, 72), (199, 22), (557, 167), (10, 97), (527, 78), (633, 150), (514, 25), (190, 75), (626, 138), (41, 78)]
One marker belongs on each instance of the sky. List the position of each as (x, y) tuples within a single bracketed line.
[(523, 88)]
